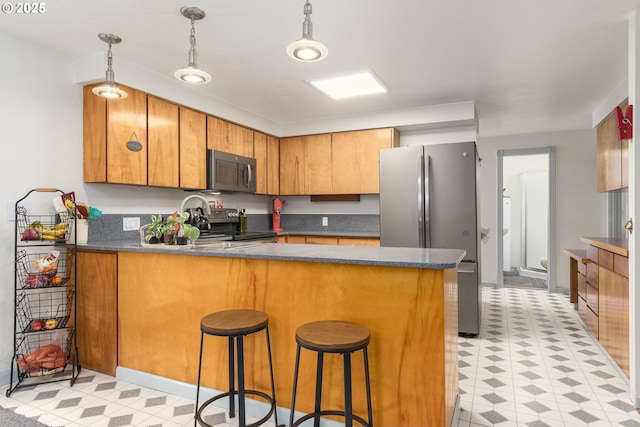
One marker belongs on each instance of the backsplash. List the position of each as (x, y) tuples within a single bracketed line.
[(109, 226)]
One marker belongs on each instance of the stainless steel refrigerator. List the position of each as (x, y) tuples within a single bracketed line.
[(429, 199)]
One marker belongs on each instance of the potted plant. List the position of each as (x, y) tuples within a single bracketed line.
[(178, 231), (155, 229)]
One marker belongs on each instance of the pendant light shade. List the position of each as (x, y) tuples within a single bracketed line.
[(307, 49), (192, 73), (109, 89)]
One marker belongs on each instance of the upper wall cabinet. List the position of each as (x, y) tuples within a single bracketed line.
[(163, 149), (355, 159), (266, 150), (229, 137), (305, 165), (612, 158), (115, 138), (337, 163), (193, 149)]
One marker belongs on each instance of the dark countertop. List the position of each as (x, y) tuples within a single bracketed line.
[(617, 246), (367, 255)]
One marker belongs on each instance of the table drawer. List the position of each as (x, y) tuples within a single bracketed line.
[(621, 265), (582, 286), (592, 253), (582, 268), (589, 318), (605, 259), (592, 274), (592, 298)]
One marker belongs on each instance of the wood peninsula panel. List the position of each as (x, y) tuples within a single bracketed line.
[(97, 311), (411, 313), (193, 149), (163, 143), (126, 121)]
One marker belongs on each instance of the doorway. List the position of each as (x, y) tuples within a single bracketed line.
[(526, 216)]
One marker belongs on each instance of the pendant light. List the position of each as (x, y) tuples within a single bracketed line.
[(109, 89), (307, 49), (192, 73)]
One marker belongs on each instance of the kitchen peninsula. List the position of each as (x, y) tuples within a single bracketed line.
[(406, 297)]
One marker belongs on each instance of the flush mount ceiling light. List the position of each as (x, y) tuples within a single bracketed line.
[(307, 49), (109, 89), (349, 86), (192, 73)]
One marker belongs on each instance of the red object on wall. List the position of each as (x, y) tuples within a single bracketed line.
[(625, 123)]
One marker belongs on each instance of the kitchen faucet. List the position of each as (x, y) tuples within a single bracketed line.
[(205, 202)]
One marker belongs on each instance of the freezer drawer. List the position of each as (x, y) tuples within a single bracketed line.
[(469, 299)]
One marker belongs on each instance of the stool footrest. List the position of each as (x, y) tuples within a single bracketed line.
[(261, 421), (329, 412)]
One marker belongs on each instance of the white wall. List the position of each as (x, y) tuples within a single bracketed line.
[(580, 209), (41, 135)]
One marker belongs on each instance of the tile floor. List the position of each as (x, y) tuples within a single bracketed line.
[(532, 365)]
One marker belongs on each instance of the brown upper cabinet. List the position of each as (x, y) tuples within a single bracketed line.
[(305, 165), (163, 151), (229, 137), (111, 130), (355, 159), (612, 157), (193, 149), (266, 150), (336, 163)]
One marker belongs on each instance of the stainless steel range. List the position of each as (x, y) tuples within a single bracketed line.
[(224, 224)]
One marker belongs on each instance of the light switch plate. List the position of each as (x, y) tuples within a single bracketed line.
[(131, 223), (325, 221)]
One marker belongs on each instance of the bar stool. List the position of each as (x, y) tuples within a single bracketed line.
[(332, 336), (235, 324)]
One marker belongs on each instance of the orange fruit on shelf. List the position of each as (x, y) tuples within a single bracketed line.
[(57, 280)]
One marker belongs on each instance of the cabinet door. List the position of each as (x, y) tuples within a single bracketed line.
[(355, 159), (164, 144), (193, 149), (359, 241), (318, 164), (94, 136), (260, 154), (614, 317), (127, 121), (612, 156), (273, 165), (292, 167), (229, 137), (97, 311), (321, 240)]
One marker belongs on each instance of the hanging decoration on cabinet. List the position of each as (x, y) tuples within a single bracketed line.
[(625, 123), (133, 144)]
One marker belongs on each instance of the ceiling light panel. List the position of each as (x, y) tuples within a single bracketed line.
[(349, 86)]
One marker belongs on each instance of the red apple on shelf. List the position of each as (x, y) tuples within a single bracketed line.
[(38, 324), (50, 324)]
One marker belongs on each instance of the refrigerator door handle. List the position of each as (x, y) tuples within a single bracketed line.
[(421, 195), (426, 173)]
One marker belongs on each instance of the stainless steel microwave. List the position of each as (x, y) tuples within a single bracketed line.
[(230, 172)]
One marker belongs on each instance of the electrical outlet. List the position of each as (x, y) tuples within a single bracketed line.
[(131, 224), (325, 221)]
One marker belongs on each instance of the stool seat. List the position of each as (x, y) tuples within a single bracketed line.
[(234, 322), (235, 325), (341, 338), (332, 336)]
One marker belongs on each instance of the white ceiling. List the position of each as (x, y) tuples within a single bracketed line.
[(528, 65)]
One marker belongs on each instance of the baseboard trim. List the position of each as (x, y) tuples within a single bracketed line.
[(254, 408)]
